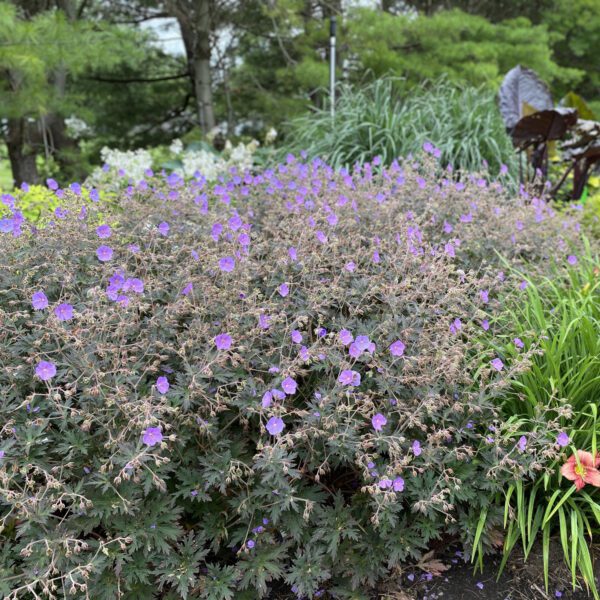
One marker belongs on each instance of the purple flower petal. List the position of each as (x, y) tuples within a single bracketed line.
[(103, 231), (397, 348), (378, 422), (64, 312), (275, 425), (163, 228), (152, 436), (345, 337), (162, 385), (223, 341), (227, 264), (348, 377), (39, 301), (104, 253), (497, 364), (45, 370), (289, 386)]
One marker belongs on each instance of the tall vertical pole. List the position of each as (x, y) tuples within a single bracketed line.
[(332, 27)]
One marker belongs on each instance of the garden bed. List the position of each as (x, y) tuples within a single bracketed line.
[(301, 379)]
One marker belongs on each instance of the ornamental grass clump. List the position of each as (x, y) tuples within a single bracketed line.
[(258, 387)]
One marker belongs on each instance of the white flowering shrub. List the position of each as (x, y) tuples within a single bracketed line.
[(211, 165), (131, 166), (77, 128), (120, 165)]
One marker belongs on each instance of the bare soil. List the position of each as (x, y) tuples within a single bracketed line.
[(519, 581)]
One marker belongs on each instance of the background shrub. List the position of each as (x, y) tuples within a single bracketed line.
[(278, 454)]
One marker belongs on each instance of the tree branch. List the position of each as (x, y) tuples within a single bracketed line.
[(162, 15), (137, 79)]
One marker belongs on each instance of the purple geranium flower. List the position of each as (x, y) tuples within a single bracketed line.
[(267, 399), (289, 386), (278, 394), (398, 484), (296, 337), (497, 364), (163, 228), (455, 326), (275, 425), (345, 337), (137, 285), (572, 259), (522, 443), (263, 321), (562, 439), (397, 348), (223, 341), (104, 253), (187, 289), (39, 301), (348, 377), (385, 483), (284, 289), (45, 370), (162, 384), (363, 343), (227, 264), (378, 421), (64, 312), (518, 342), (416, 448), (103, 231), (152, 436), (321, 237)]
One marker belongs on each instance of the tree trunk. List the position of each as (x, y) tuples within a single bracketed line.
[(21, 153), (194, 20), (203, 81), (62, 147)]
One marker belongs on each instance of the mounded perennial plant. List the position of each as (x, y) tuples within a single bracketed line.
[(273, 385)]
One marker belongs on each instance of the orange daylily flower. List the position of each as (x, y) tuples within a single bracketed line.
[(584, 472)]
